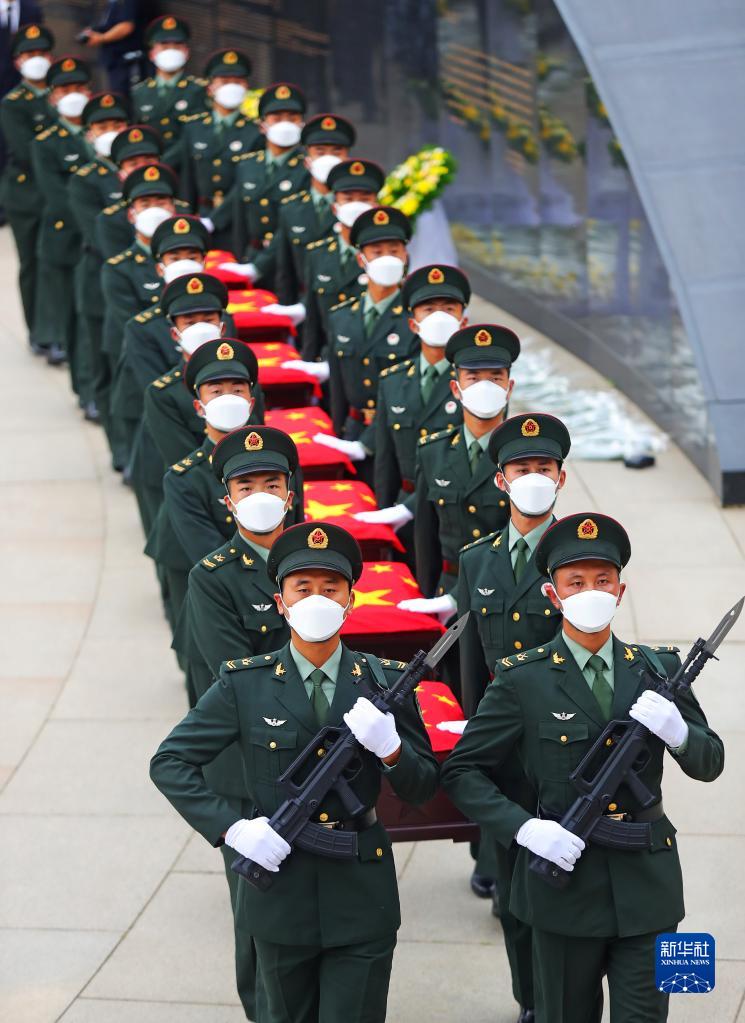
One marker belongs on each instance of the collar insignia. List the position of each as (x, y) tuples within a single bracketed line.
[(557, 659)]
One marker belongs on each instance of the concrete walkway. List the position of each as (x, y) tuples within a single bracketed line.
[(110, 911)]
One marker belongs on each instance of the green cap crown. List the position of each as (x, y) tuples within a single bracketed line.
[(32, 37), (155, 179), (225, 359), (315, 545), (253, 449), (356, 176), (529, 436), (167, 29), (582, 537), (328, 129), (483, 346), (179, 233), (106, 106), (194, 293), (68, 71), (435, 281), (281, 96), (383, 223), (136, 140), (228, 64)]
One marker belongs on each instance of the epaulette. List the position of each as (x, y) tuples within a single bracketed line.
[(51, 130), (295, 195), (16, 93), (119, 258), (188, 118), (84, 171), (311, 246), (222, 556), (665, 649), (341, 305), (148, 314), (195, 458), (114, 208), (199, 81), (393, 665), (252, 154), (481, 539), (538, 653), (167, 379), (257, 661), (439, 435), (395, 368)]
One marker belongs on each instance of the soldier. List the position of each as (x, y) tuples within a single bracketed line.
[(210, 143), (499, 583), (95, 186), (332, 271), (546, 707), (325, 934), (169, 96), (453, 471), (130, 283), (56, 154), (414, 397), (138, 146), (264, 178), (24, 114)]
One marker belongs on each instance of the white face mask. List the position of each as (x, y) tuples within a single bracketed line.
[(180, 267), (349, 211), (197, 334), (230, 95), (385, 270), (484, 399), (261, 513), (591, 610), (102, 143), (170, 60), (320, 168), (284, 133), (227, 412), (315, 618), (437, 328), (72, 104), (533, 494), (146, 221), (35, 68)]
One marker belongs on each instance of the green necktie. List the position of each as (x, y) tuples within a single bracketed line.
[(428, 382), (318, 697), (521, 561), (371, 318), (600, 688), (474, 454)]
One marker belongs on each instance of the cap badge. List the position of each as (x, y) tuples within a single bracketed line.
[(328, 124), (107, 100), (587, 530), (135, 135), (318, 540), (282, 92), (181, 226), (482, 338), (435, 276), (194, 287), (151, 174), (357, 168), (225, 351), (530, 428), (254, 441), (68, 65), (380, 217), (231, 57), (169, 23), (33, 32)]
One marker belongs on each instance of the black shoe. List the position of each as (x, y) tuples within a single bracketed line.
[(56, 356), (482, 886), (37, 349), (91, 413), (496, 909), (526, 1016)]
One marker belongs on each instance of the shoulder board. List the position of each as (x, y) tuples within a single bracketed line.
[(538, 653), (222, 556), (167, 379), (114, 208), (342, 305), (84, 171), (393, 665), (257, 661), (665, 649), (119, 258), (481, 539), (195, 457), (190, 118), (294, 197), (17, 93), (148, 314), (396, 368), (440, 435), (253, 154), (47, 133)]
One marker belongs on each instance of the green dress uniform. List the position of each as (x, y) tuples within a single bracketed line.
[(455, 475), (114, 231), (24, 114), (325, 933), (542, 710)]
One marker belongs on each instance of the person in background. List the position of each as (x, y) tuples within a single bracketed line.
[(13, 14), (116, 34)]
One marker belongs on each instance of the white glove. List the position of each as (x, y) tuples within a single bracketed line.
[(443, 606), (258, 841), (319, 370), (242, 269), (295, 312), (373, 729), (549, 840), (208, 224), (661, 717), (397, 515), (456, 727), (354, 451)]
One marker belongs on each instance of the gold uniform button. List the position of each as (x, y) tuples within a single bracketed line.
[(21, 178), (164, 120), (263, 628), (367, 382), (547, 612), (232, 550), (263, 202), (216, 177), (564, 738), (58, 225), (379, 851), (540, 649), (483, 610), (472, 509), (370, 403), (612, 807), (608, 742), (323, 817), (228, 518), (476, 533), (343, 298), (502, 504), (515, 616), (391, 355), (366, 361), (423, 432), (441, 500), (320, 752), (264, 220), (668, 841), (217, 162), (518, 645), (272, 745), (396, 426)]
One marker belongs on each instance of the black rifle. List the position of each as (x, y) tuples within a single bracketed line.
[(620, 754), (327, 763)]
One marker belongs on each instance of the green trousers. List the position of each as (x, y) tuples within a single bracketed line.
[(569, 973), (518, 940), (246, 977), (54, 312), (308, 984), (25, 228)]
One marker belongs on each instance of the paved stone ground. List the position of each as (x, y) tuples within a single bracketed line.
[(110, 911)]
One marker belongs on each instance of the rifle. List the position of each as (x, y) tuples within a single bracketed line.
[(618, 756), (327, 763)]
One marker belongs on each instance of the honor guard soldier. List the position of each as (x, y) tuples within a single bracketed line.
[(137, 146), (332, 272), (95, 186), (457, 499), (326, 931), (499, 583), (169, 96), (130, 281), (56, 154), (263, 178), (546, 708), (414, 396), (24, 114), (211, 141)]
